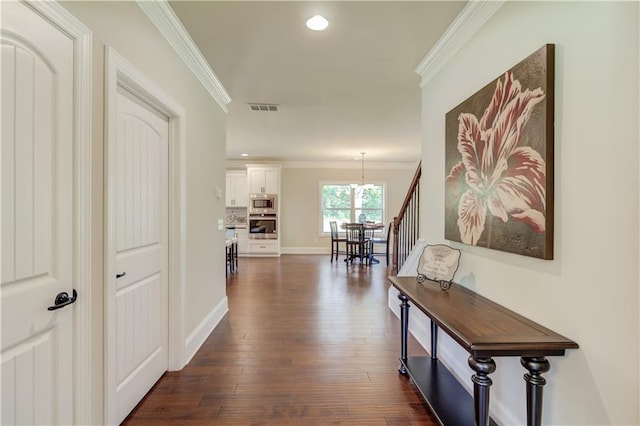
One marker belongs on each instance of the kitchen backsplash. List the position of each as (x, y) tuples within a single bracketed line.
[(236, 216)]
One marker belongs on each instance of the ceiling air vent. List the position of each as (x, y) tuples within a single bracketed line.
[(264, 107)]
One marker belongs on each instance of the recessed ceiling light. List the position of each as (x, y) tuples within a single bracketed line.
[(244, 154), (317, 23)]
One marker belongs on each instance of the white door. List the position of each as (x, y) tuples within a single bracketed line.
[(37, 219), (140, 288)]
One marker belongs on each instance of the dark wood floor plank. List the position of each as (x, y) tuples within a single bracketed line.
[(305, 342)]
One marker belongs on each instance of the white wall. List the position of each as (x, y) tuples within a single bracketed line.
[(300, 202), (123, 26), (589, 292)]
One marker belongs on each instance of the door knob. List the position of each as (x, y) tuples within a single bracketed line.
[(62, 300)]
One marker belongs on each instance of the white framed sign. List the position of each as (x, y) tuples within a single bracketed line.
[(438, 263)]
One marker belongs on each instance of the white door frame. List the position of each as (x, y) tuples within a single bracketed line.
[(82, 38), (120, 72)]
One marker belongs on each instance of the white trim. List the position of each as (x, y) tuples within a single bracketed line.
[(307, 250), (177, 238), (638, 366), (375, 165), (82, 320), (204, 329), (119, 72), (164, 18), (266, 166), (467, 23), (354, 164)]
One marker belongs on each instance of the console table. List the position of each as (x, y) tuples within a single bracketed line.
[(485, 330)]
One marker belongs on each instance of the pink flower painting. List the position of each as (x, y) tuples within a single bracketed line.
[(497, 175)]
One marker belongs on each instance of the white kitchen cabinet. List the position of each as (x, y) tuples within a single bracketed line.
[(236, 189), (241, 235), (264, 247), (263, 180)]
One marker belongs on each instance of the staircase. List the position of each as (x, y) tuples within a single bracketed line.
[(406, 226)]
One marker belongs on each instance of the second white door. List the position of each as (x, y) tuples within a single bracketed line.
[(140, 292)]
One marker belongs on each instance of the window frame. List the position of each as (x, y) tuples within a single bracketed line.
[(352, 207)]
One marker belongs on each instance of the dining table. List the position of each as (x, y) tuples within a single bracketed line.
[(367, 225), (373, 226)]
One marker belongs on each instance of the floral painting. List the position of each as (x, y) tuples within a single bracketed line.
[(499, 162)]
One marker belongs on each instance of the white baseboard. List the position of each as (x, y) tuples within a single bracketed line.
[(306, 250), (202, 331)]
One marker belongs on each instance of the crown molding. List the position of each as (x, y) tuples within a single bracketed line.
[(164, 18), (356, 165), (470, 19)]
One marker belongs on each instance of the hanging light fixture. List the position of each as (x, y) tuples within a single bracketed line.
[(361, 186)]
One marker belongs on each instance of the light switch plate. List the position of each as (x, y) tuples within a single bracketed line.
[(220, 224)]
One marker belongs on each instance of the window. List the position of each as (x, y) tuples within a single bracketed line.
[(342, 203)]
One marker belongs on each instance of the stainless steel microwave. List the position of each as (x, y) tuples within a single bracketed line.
[(263, 204)]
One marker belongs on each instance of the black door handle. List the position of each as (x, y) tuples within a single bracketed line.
[(121, 275), (62, 300)]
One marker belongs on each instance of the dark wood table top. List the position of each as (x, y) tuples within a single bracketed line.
[(482, 327), (367, 225)]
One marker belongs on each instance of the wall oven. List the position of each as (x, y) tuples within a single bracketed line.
[(263, 204), (263, 227)]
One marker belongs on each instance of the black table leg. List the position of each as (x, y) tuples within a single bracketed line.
[(481, 384), (404, 330), (434, 340), (536, 366)]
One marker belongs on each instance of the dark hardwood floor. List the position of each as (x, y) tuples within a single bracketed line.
[(305, 342)]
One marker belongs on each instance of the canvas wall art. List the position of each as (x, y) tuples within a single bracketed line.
[(499, 161)]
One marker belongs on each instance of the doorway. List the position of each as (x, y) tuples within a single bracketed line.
[(144, 244)]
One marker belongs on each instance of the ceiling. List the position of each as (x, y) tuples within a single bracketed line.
[(346, 90)]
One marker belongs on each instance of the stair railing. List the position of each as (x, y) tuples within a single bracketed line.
[(406, 226)]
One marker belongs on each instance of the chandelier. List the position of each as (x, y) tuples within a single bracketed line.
[(360, 187)]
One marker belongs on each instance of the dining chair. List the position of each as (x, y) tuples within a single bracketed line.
[(336, 239), (357, 243), (373, 240)]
